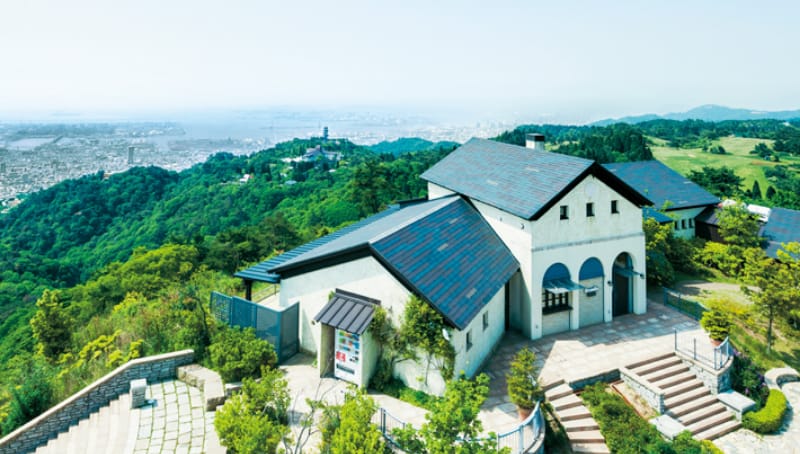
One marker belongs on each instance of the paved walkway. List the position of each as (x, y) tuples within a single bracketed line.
[(787, 440), (175, 421)]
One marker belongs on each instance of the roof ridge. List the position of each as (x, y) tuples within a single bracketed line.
[(412, 220)]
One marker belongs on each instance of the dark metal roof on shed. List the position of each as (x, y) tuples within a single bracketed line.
[(783, 227), (348, 311), (442, 250), (661, 218), (662, 185), (522, 181)]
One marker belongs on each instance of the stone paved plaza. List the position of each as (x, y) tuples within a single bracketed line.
[(787, 440), (174, 421)]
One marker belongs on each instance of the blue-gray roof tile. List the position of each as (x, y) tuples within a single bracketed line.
[(783, 226), (662, 185)]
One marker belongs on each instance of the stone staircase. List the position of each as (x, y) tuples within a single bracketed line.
[(582, 430), (686, 399), (111, 429)]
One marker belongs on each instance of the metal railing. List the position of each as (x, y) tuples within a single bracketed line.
[(716, 358), (519, 440)]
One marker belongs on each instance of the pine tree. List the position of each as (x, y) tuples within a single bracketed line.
[(770, 192), (756, 191), (51, 325)]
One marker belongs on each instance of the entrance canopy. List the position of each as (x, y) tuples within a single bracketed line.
[(348, 312), (558, 286)]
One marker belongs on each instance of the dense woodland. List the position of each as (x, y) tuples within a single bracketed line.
[(101, 269)]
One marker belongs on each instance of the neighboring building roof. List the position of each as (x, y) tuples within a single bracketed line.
[(348, 311), (661, 218), (518, 180), (783, 227), (709, 216), (442, 250), (662, 185)]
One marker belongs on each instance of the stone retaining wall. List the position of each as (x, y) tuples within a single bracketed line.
[(653, 395), (80, 405), (716, 381)]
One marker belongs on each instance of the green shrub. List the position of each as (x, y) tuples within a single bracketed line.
[(717, 324), (746, 378), (768, 419), (237, 353), (523, 387)]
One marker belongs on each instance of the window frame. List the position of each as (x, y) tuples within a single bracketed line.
[(552, 302), (469, 340), (485, 320), (563, 212), (614, 207), (589, 209)]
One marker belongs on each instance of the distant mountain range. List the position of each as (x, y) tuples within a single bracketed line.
[(708, 112)]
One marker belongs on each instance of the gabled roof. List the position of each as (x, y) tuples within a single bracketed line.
[(522, 181), (348, 311), (783, 227), (662, 185), (442, 250), (661, 218)]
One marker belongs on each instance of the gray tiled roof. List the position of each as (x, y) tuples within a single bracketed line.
[(348, 311), (783, 227), (515, 179), (662, 185), (650, 212), (440, 250)]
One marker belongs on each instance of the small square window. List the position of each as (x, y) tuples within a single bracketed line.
[(485, 320), (564, 212), (683, 224), (469, 340), (589, 210), (691, 223), (676, 225), (614, 207)]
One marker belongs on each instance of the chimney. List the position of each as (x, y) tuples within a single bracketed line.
[(535, 141)]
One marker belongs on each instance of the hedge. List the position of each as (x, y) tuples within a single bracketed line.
[(768, 419)]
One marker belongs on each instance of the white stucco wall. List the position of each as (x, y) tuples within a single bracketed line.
[(483, 341), (363, 276), (435, 191), (592, 307), (686, 217)]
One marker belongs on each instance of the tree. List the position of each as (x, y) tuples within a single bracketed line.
[(755, 192), (770, 192), (779, 285), (739, 227), (238, 353), (356, 434), (52, 325), (720, 181), (255, 420), (523, 385), (657, 237), (452, 426)]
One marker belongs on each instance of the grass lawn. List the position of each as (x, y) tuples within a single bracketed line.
[(747, 166)]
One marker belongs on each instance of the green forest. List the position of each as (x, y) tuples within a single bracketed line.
[(105, 268)]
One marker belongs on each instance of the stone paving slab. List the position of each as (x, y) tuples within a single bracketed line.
[(787, 440)]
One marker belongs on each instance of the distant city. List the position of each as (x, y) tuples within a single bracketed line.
[(35, 155)]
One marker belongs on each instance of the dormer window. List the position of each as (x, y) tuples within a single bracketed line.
[(590, 210), (564, 212)]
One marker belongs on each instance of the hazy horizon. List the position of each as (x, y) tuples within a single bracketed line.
[(572, 62)]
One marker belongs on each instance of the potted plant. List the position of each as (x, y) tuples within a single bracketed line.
[(717, 325), (523, 388)]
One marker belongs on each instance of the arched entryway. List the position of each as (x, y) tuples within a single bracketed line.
[(622, 285), (557, 288), (591, 278)]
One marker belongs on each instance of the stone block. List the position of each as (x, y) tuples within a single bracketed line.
[(736, 402), (668, 426), (138, 389)]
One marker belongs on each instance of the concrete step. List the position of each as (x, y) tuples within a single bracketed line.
[(709, 423), (668, 372), (573, 413), (568, 401), (577, 425), (676, 379), (719, 430), (586, 436), (653, 359), (682, 388), (558, 391), (594, 448), (688, 407), (113, 427), (657, 365), (551, 385), (119, 439), (687, 396), (702, 413)]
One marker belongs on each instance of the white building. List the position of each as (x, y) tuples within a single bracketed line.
[(511, 238)]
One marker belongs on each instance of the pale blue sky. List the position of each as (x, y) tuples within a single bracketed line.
[(598, 58)]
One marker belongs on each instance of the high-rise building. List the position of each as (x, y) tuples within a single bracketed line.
[(325, 133), (130, 155)]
